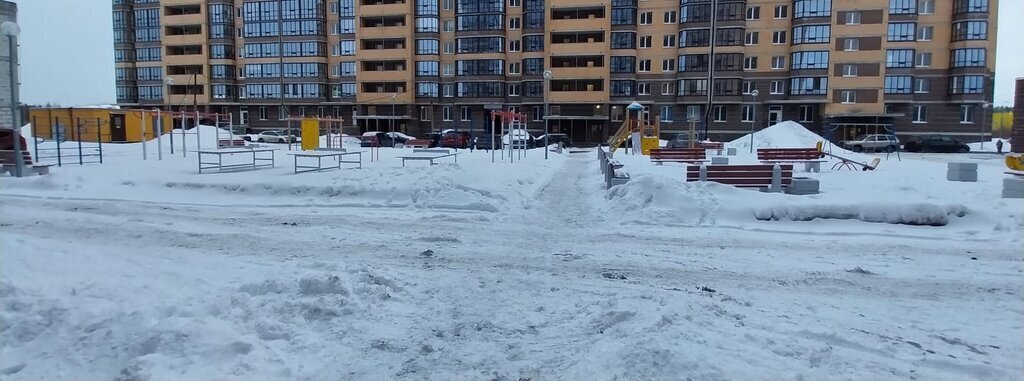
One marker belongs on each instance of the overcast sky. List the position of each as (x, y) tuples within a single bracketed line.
[(67, 51)]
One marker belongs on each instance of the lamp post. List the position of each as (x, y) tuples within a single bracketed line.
[(547, 87), (393, 116), (984, 118), (12, 30), (168, 81), (753, 117)]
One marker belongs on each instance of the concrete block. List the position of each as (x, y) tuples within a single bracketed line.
[(730, 151), (719, 160), (964, 176), (813, 166), (973, 167), (1010, 193), (803, 186), (1014, 183)]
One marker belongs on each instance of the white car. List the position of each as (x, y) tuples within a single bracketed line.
[(274, 137)]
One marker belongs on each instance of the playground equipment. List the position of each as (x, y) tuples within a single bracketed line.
[(513, 125), (312, 128), (1015, 162), (849, 163), (218, 120), (86, 135), (642, 132)]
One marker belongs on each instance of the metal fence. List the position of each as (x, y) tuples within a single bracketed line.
[(69, 141)]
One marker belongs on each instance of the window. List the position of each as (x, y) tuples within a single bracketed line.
[(623, 40), (694, 37), (748, 87), (851, 44), (533, 43), (850, 70), (926, 7), (921, 85), (973, 57), (779, 63), (970, 30), (513, 90), (623, 16), (750, 63), (644, 88), (753, 13), (693, 87), (514, 3), (808, 86), (781, 11), (448, 4), (809, 60), (670, 17), (920, 114), (426, 24), (898, 84), (622, 88), (849, 96), (646, 18), (427, 46), (899, 58), (347, 47), (668, 65), (779, 37), (924, 60), (427, 68), (666, 88), (514, 68), (966, 84), (812, 8), (666, 114), (538, 113), (925, 33), (806, 113), (645, 65), (668, 41), (969, 6), (966, 113), (902, 31), (465, 113), (751, 38), (852, 18), (777, 87), (449, 47), (263, 113), (448, 90), (814, 34), (449, 69), (902, 7), (515, 45), (514, 23), (746, 114), (645, 42), (623, 64), (720, 113)]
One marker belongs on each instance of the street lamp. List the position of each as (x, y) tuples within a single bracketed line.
[(547, 88), (753, 117), (984, 118), (12, 30), (393, 116)]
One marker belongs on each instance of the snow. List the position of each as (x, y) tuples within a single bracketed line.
[(145, 270), (787, 134), (990, 146)]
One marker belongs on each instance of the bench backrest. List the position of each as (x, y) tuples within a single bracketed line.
[(711, 145), (418, 143), (678, 154), (7, 157), (744, 176), (782, 154)]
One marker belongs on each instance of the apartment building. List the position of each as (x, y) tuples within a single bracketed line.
[(839, 67)]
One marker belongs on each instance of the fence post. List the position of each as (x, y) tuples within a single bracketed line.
[(703, 173), (99, 138), (35, 142), (77, 127), (776, 179)]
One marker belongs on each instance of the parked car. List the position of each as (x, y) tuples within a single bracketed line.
[(935, 143), (400, 137), (519, 139), (681, 141), (456, 139), (435, 139), (379, 139), (7, 139), (555, 139), (484, 142), (275, 137), (872, 143)]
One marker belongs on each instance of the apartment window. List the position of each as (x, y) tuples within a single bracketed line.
[(778, 62), (449, 47), (808, 86), (621, 88), (973, 57), (449, 69), (646, 18), (781, 11), (852, 18), (446, 113), (670, 17), (749, 63), (514, 68), (849, 70), (514, 3), (643, 88), (806, 113), (849, 96), (926, 7), (533, 43), (623, 16), (347, 47), (899, 58), (921, 85), (693, 87), (898, 84), (514, 23), (814, 34), (427, 46), (448, 90), (513, 90), (925, 33), (427, 68), (812, 8), (447, 4), (903, 31), (902, 7), (449, 25), (969, 6), (465, 113), (538, 113), (515, 45), (777, 87), (966, 84), (924, 60), (967, 114), (668, 41), (970, 30), (263, 113), (746, 114), (748, 87), (623, 40), (645, 41), (779, 37), (668, 65), (623, 64), (644, 66), (753, 13), (426, 24), (720, 113), (920, 114), (666, 113), (666, 88), (751, 38)]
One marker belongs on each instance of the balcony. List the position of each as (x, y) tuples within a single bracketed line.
[(578, 91), (384, 8), (385, 31)]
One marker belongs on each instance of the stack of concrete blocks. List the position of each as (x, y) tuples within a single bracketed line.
[(730, 151), (1013, 187), (966, 172), (803, 186)]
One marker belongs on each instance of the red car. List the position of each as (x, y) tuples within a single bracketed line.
[(456, 139)]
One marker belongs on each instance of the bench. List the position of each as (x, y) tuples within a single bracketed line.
[(429, 157), (432, 150), (250, 153), (810, 157), (8, 163), (418, 143), (711, 145), (319, 155), (678, 155), (230, 143), (744, 176)]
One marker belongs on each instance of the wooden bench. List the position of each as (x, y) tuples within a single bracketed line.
[(744, 176), (811, 158), (230, 143), (678, 155), (8, 163)]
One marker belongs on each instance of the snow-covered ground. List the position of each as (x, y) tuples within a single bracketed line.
[(990, 146), (139, 270)]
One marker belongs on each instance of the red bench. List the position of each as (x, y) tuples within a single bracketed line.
[(742, 176), (810, 157), (230, 143), (712, 145), (7, 162), (678, 155)]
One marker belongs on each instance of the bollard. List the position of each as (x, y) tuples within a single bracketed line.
[(776, 179), (703, 173)]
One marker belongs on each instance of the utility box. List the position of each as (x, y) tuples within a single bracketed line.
[(647, 143), (310, 134)]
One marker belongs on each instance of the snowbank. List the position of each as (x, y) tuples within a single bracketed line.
[(990, 146), (788, 134)]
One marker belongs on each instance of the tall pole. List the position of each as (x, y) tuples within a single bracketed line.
[(711, 67), (159, 136), (984, 117), (547, 88), (393, 116), (12, 30), (753, 117), (144, 135)]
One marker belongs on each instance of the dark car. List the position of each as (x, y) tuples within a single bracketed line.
[(7, 139), (484, 142), (435, 139), (680, 141), (935, 143), (379, 139), (456, 139), (555, 139)]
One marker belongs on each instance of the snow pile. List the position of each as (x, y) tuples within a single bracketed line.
[(788, 134), (342, 140), (906, 214), (672, 201)]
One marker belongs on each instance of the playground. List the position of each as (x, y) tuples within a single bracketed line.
[(510, 264)]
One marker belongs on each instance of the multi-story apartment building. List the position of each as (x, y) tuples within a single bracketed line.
[(839, 67)]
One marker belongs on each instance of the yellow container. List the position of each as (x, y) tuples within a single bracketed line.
[(310, 134), (1015, 162), (647, 143)]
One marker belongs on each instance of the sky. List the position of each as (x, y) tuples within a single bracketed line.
[(67, 51)]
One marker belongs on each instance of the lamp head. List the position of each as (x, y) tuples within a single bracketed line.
[(754, 93), (10, 28)]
